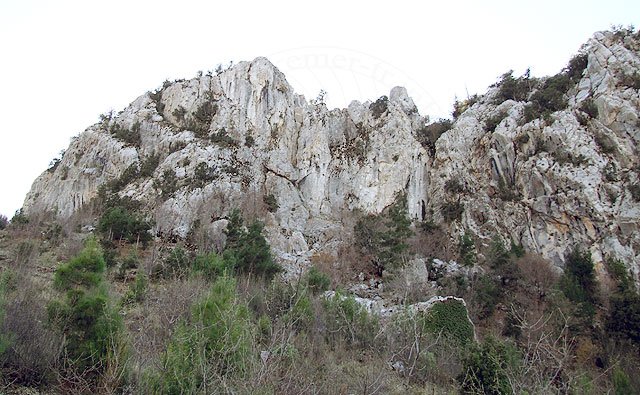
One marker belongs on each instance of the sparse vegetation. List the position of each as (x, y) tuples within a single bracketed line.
[(550, 97), (223, 139), (590, 108), (630, 80), (128, 136), (428, 135), (384, 238), (634, 189), (492, 122), (149, 165), (454, 186), (452, 210), (461, 106), (379, 107), (271, 202), (19, 218), (517, 89), (203, 174), (201, 118), (167, 184)]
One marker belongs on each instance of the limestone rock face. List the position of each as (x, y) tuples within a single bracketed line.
[(230, 139)]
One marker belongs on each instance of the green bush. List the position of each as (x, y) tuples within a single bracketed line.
[(317, 281), (137, 291), (126, 177), (4, 221), (517, 89), (394, 239), (549, 98), (253, 255), (348, 321), (223, 139), (177, 263), (200, 121), (179, 113), (467, 249), (624, 316), (246, 250), (203, 174), (215, 345), (578, 283), (621, 382), (590, 108), (212, 266), (301, 313), (384, 237), (451, 319), (90, 326), (577, 65), (118, 223), (488, 293), (487, 365)]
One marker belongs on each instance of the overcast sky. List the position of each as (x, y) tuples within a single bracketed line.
[(63, 63)]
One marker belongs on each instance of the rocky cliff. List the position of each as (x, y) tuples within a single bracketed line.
[(551, 166)]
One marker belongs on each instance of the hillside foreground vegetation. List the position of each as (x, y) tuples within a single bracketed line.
[(103, 301), (102, 312)]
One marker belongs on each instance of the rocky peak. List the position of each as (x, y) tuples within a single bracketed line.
[(551, 169)]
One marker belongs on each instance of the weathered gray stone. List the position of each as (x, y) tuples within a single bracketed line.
[(550, 193)]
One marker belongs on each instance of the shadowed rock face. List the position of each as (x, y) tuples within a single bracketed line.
[(232, 138)]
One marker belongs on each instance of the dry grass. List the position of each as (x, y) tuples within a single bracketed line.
[(151, 324)]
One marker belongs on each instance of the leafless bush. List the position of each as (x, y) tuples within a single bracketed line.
[(33, 347), (410, 284), (547, 355), (434, 243), (537, 277), (328, 264), (152, 324), (420, 356)]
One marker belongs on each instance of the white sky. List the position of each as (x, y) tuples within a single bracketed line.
[(62, 63)]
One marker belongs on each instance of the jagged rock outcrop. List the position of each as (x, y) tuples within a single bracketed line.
[(229, 139)]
